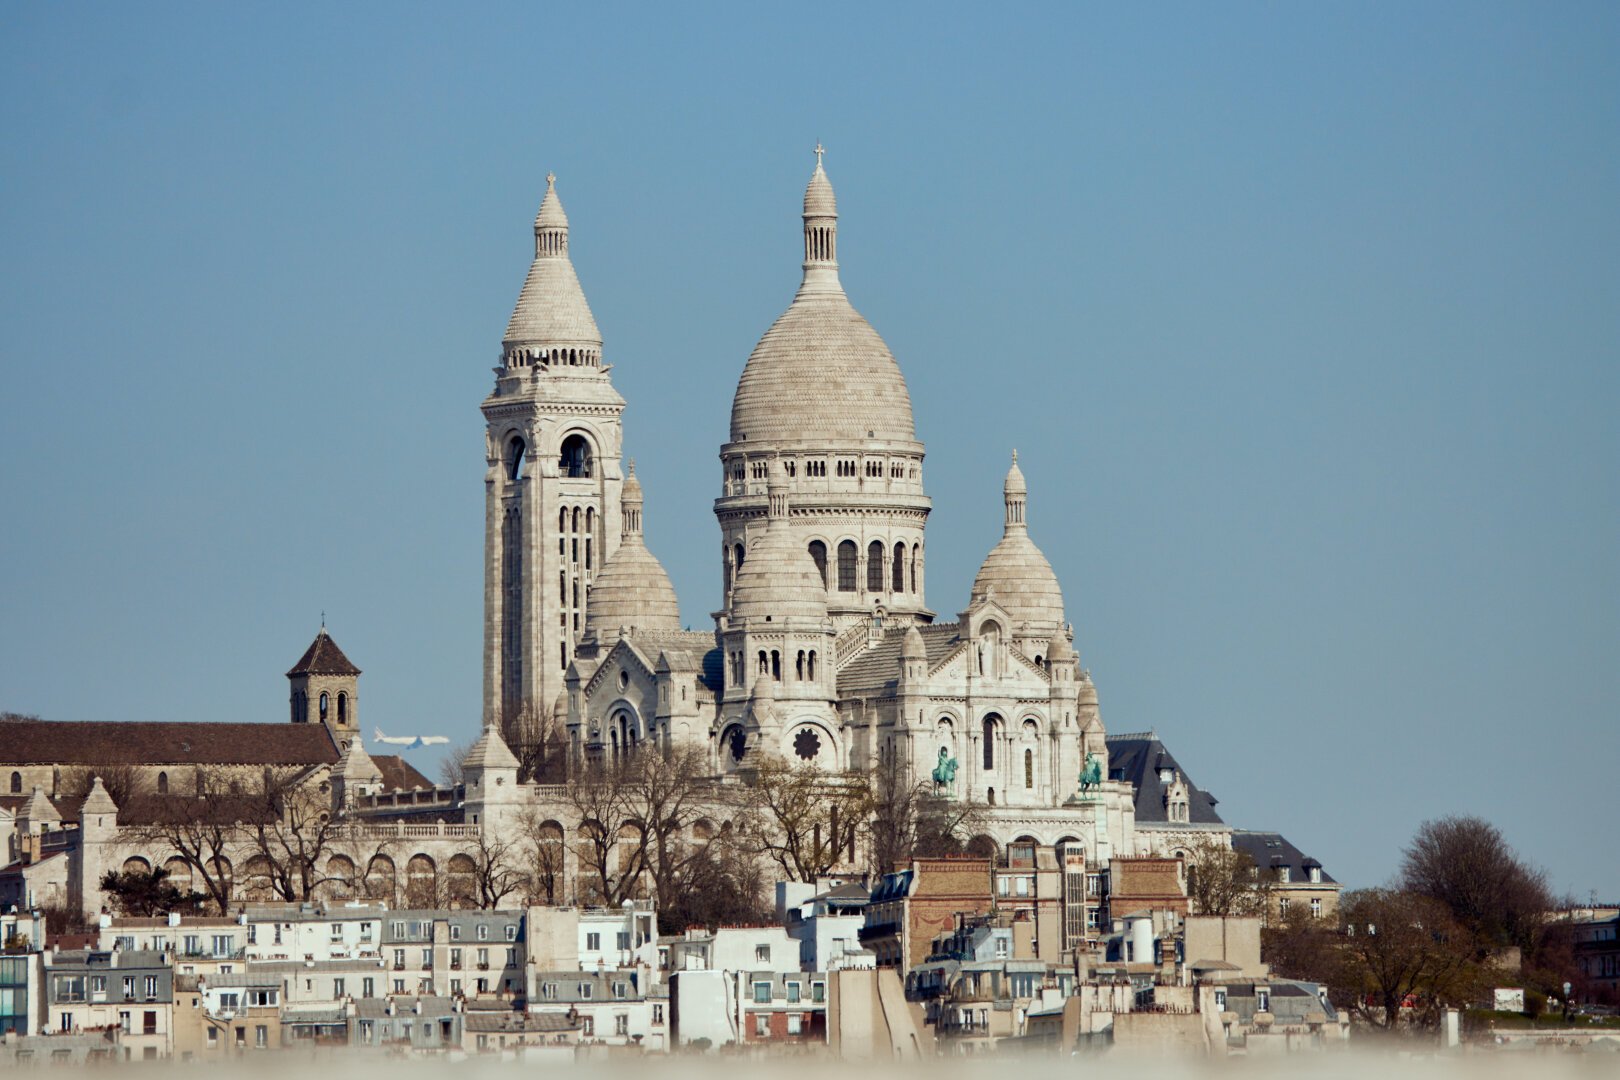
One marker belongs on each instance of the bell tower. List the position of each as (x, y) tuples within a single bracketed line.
[(552, 481)]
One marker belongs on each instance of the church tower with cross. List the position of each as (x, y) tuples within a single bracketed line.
[(552, 481)]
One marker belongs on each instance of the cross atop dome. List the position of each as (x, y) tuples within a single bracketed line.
[(819, 152)]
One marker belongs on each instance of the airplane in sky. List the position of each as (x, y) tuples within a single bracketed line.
[(409, 742)]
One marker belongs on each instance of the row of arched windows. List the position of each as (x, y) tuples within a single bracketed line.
[(897, 571), (770, 664), (549, 358)]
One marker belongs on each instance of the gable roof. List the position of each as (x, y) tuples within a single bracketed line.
[(1271, 850), (163, 742), (878, 668), (323, 657), (399, 774), (1137, 760)]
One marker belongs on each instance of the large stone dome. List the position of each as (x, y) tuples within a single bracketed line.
[(821, 374)]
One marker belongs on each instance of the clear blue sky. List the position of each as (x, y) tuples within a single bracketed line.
[(1303, 318)]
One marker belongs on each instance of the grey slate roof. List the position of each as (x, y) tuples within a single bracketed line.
[(1270, 850), (1137, 760), (878, 668)]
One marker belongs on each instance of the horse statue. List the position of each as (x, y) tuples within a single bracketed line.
[(945, 770), (1091, 774)]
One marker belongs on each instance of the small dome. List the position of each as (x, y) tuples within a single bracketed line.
[(1017, 576), (912, 648), (559, 708), (551, 214), (1060, 648), (632, 589), (778, 578), (819, 200), (764, 689), (1015, 484)]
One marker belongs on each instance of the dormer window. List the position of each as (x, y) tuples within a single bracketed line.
[(1316, 875), (1167, 776), (1282, 874)]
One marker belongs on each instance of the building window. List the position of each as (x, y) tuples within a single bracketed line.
[(762, 993), (793, 993), (762, 954), (989, 743), (1316, 907), (1029, 768), (483, 933), (593, 942), (846, 566), (324, 703), (762, 1025), (1262, 1000), (576, 457), (587, 1026), (621, 1024), (818, 991), (818, 554), (795, 1023), (658, 1014), (874, 566)]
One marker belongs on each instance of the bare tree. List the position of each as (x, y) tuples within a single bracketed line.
[(541, 851), (451, 771), (536, 740), (806, 821), (201, 829), (1467, 865), (497, 867), (293, 833), (123, 782), (1221, 881)]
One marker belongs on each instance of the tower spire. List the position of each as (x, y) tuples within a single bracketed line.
[(820, 229), (551, 224), (630, 502), (1015, 493)]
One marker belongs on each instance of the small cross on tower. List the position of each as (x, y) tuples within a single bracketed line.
[(819, 152)]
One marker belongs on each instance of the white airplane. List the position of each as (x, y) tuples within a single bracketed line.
[(409, 742)]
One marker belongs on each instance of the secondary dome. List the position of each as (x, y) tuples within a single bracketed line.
[(778, 578), (632, 588), (551, 309), (1016, 574), (821, 373)]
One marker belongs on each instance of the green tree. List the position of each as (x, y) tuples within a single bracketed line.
[(145, 893)]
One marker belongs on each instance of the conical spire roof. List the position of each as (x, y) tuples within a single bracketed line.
[(490, 752), (98, 801), (551, 310), (356, 766), (821, 374), (632, 588)]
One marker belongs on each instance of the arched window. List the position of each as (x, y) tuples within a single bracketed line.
[(992, 797), (16, 782), (776, 665), (514, 458), (764, 663), (811, 667), (992, 724), (916, 553), (737, 555), (798, 666), (899, 568), (163, 783), (343, 707), (1029, 768), (818, 552), (846, 566), (324, 705), (576, 456), (874, 566)]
